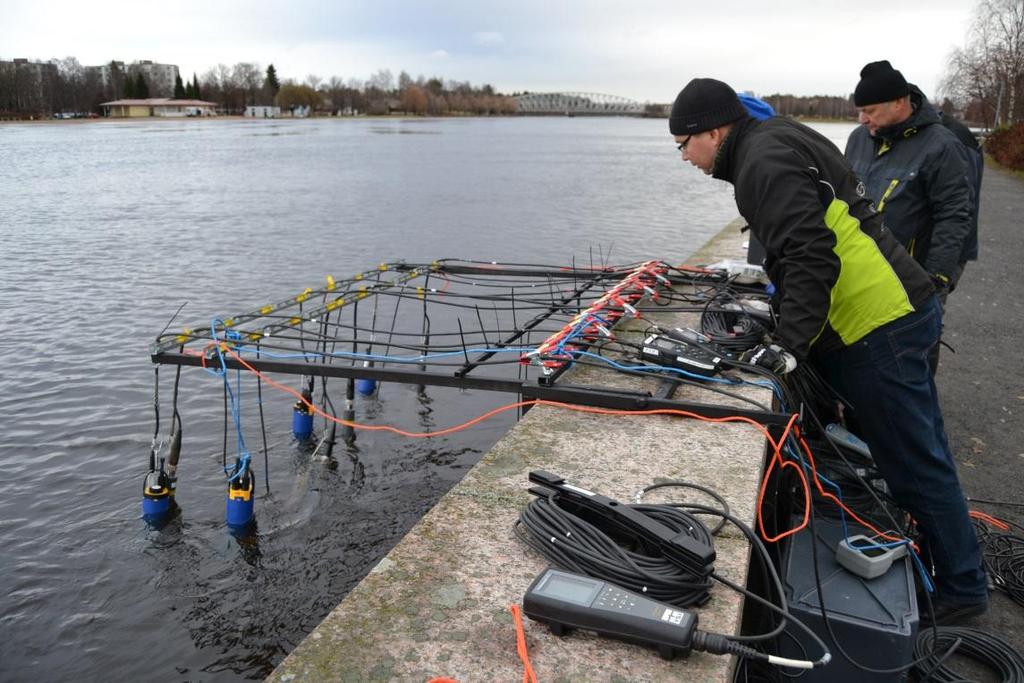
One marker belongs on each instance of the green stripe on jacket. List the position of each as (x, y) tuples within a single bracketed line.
[(868, 293)]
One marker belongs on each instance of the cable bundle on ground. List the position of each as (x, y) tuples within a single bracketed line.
[(985, 648), (1004, 559), (573, 544)]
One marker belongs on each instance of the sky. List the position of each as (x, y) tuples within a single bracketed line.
[(643, 50)]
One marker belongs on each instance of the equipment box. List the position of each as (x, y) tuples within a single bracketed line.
[(874, 620)]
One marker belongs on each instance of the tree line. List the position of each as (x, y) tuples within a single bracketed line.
[(64, 85), (234, 88)]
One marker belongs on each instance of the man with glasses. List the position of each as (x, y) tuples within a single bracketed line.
[(852, 302)]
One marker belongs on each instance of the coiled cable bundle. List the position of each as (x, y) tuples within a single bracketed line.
[(734, 330), (574, 544), (1003, 553), (934, 644)]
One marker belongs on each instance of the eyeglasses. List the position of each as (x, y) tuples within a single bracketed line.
[(682, 145)]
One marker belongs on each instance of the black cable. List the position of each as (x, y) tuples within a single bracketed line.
[(985, 648), (263, 426), (677, 378), (735, 330), (1003, 555), (574, 544), (675, 483), (156, 413)]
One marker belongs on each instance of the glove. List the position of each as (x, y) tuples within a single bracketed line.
[(770, 356), (943, 286)]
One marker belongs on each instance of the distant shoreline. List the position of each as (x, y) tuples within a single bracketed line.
[(359, 117)]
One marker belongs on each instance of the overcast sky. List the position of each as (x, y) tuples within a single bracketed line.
[(643, 50)]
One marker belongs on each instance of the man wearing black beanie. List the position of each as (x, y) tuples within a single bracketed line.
[(850, 301), (916, 172)]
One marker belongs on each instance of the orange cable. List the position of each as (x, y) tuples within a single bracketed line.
[(528, 675), (775, 461), (989, 519), (491, 413), (838, 502)]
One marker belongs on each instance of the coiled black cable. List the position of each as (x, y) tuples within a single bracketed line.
[(733, 330), (571, 543), (1003, 554), (985, 648)]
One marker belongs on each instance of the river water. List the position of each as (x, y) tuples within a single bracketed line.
[(107, 227)]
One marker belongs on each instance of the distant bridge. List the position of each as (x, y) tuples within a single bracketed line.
[(573, 103)]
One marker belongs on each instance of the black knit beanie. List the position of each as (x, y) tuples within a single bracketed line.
[(702, 105), (879, 82)]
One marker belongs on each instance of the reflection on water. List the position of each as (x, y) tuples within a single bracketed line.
[(107, 228)]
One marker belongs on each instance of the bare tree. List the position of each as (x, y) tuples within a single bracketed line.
[(334, 89), (249, 78), (404, 81), (987, 74), (382, 80)]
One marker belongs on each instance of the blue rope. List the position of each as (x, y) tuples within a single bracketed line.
[(234, 401)]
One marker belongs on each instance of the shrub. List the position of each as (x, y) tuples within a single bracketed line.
[(1006, 146)]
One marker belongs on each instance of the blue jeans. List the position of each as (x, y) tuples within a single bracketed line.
[(887, 379)]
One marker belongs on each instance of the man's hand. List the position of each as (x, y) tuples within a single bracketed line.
[(770, 356), (943, 286)]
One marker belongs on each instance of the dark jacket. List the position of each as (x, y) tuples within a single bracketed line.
[(840, 274), (975, 172), (916, 174)]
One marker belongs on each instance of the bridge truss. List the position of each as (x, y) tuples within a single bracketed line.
[(578, 103)]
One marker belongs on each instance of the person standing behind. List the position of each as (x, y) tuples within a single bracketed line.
[(913, 169), (975, 171)]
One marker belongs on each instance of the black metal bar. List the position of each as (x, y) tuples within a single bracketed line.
[(567, 393), (381, 374), (563, 393), (525, 272)]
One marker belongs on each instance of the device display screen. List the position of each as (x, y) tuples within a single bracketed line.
[(571, 589)]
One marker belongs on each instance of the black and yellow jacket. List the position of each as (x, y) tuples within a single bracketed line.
[(917, 174), (839, 273)]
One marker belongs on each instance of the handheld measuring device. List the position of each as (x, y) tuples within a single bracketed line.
[(565, 601), (677, 349)]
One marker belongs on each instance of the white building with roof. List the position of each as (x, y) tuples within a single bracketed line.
[(159, 107)]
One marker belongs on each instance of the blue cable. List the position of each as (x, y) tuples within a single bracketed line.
[(243, 465), (234, 402)]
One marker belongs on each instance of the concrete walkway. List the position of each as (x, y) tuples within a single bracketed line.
[(981, 386)]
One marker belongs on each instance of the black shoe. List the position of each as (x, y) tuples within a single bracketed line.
[(945, 612)]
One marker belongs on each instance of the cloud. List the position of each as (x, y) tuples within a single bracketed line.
[(488, 38), (439, 54)]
